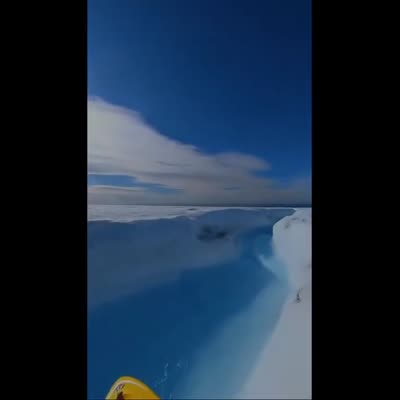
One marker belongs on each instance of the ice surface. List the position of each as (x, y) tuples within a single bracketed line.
[(201, 303), (283, 370), (127, 213), (292, 243), (125, 258)]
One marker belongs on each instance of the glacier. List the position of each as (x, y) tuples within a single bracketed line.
[(200, 302)]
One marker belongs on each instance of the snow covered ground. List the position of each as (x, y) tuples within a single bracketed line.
[(284, 368), (230, 289), (126, 213)]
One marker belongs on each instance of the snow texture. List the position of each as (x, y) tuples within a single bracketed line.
[(283, 370)]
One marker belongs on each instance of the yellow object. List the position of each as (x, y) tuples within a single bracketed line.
[(128, 388)]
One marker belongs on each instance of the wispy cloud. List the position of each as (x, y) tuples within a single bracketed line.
[(120, 142)]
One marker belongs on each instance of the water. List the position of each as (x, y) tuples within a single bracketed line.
[(198, 336)]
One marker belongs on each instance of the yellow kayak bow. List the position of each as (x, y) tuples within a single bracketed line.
[(128, 388)]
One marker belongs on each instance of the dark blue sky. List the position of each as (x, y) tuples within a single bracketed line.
[(220, 75)]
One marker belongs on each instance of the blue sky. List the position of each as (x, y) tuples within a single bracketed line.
[(221, 77)]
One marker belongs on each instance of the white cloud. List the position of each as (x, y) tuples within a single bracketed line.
[(121, 143)]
